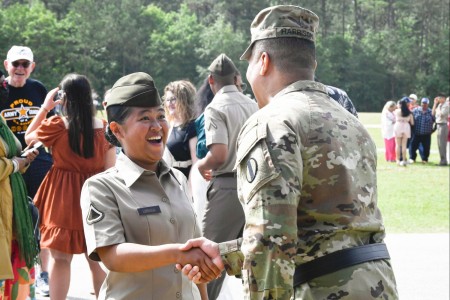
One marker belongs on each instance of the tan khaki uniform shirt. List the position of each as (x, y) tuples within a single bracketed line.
[(224, 117), (128, 204), (442, 111)]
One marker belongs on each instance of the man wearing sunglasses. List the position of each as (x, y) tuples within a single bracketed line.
[(25, 98)]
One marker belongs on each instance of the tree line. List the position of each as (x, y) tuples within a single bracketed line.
[(374, 49)]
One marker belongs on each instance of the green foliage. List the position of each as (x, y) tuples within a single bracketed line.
[(37, 28), (219, 38), (171, 53), (374, 49)]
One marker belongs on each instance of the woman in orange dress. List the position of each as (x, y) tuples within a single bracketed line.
[(79, 151)]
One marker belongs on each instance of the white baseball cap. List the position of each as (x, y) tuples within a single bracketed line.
[(413, 96), (19, 52)]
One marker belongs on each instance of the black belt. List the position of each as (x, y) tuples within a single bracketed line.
[(231, 174), (339, 260)]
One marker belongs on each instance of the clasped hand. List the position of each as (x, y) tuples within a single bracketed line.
[(202, 270)]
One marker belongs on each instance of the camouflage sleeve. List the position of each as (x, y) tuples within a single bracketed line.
[(269, 175), (232, 256)]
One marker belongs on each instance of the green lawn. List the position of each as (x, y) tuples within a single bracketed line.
[(413, 198)]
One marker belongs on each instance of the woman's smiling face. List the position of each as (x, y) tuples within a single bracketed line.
[(143, 135)]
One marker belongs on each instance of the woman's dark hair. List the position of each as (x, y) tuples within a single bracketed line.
[(115, 113), (404, 108), (78, 108), (203, 97)]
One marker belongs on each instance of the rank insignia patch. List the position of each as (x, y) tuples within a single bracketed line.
[(252, 170), (94, 215)]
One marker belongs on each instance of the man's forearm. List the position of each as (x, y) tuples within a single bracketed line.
[(232, 256)]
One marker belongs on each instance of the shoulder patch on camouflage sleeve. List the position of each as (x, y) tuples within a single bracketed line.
[(252, 169), (94, 215)]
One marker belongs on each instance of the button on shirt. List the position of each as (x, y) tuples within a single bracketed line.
[(128, 204)]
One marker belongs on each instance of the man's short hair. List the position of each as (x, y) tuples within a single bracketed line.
[(289, 54)]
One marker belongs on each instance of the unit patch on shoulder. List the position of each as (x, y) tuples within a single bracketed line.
[(252, 169), (94, 215)]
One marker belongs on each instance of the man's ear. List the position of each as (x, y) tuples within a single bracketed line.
[(315, 65), (265, 63)]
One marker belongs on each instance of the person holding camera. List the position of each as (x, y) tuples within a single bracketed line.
[(80, 150), (18, 248)]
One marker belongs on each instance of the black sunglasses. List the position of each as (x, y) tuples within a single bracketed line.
[(24, 64)]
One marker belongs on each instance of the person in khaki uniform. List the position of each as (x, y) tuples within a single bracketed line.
[(306, 173), (138, 212), (441, 111), (224, 116)]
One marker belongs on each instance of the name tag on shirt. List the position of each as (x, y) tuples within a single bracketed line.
[(149, 210)]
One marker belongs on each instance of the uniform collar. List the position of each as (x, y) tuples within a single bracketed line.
[(227, 89), (303, 85), (130, 171)]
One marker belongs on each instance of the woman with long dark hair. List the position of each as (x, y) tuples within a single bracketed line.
[(80, 150), (404, 119)]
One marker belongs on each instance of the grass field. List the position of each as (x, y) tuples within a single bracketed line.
[(413, 198)]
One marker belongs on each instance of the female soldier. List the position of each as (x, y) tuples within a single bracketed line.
[(137, 213)]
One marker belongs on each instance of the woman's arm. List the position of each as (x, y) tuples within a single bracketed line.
[(193, 149), (130, 257), (46, 107)]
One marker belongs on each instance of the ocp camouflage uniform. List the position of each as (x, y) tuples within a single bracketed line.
[(307, 181)]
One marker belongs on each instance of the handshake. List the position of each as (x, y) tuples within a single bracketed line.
[(201, 261)]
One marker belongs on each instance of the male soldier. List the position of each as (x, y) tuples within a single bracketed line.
[(25, 98), (440, 112), (307, 179), (224, 117)]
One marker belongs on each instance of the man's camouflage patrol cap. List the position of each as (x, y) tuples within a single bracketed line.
[(136, 89), (282, 21), (222, 66)]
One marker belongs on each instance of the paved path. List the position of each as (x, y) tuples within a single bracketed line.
[(420, 261)]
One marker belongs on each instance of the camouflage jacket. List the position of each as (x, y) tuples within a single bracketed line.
[(307, 180)]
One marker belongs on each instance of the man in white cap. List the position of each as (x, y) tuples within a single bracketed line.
[(23, 103), (413, 103)]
